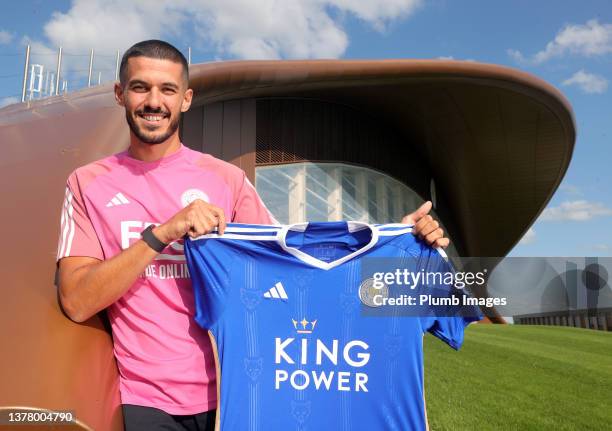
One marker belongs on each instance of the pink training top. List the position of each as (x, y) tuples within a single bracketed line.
[(165, 359)]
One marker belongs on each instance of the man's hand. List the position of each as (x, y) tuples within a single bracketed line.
[(425, 227), (87, 285), (197, 218)]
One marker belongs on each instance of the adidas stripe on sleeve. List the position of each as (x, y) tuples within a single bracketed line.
[(77, 235)]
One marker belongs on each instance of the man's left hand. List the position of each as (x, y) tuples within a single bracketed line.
[(425, 227)]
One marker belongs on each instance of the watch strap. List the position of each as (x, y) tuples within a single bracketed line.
[(152, 241)]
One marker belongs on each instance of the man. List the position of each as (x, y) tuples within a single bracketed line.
[(120, 245)]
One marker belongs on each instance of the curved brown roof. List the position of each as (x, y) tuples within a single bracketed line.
[(238, 79), (497, 141)]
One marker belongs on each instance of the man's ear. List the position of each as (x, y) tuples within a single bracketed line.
[(119, 94), (187, 97)]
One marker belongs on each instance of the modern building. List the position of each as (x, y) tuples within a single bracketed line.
[(567, 292), (321, 140)]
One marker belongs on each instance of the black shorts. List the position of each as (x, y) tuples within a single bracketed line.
[(140, 418)]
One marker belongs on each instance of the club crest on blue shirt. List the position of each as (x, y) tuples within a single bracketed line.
[(370, 295)]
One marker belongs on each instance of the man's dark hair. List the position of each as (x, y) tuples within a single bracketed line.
[(153, 49)]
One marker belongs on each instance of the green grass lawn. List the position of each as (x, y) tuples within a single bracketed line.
[(514, 377)]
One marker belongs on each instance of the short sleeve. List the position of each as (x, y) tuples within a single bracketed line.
[(447, 322), (248, 206), (77, 234)]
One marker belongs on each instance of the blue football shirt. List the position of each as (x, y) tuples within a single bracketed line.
[(298, 345)]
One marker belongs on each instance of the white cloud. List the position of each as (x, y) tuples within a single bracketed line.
[(580, 210), (377, 13), (450, 57), (109, 25), (8, 101), (588, 82), (269, 29), (6, 37), (234, 28), (601, 247), (529, 237), (590, 39), (243, 29), (571, 189), (516, 55)]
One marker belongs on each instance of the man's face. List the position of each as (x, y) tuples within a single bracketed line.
[(154, 95)]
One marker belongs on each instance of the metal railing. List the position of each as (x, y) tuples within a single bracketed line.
[(600, 319), (41, 80)]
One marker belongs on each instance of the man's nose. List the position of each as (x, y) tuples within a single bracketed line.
[(154, 99)]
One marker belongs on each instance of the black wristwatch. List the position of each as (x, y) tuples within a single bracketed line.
[(151, 240)]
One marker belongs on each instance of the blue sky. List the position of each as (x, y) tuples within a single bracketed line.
[(567, 43)]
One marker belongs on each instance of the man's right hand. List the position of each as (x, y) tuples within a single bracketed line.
[(88, 285), (197, 218)]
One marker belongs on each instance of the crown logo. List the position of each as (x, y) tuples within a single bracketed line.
[(304, 326)]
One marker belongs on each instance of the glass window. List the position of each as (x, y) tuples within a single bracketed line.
[(317, 193), (350, 206), (333, 191), (372, 199), (300, 192)]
